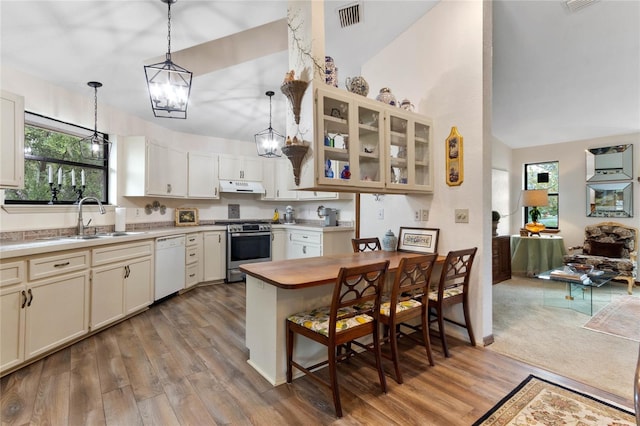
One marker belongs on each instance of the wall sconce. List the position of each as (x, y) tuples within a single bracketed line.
[(269, 142), (169, 84)]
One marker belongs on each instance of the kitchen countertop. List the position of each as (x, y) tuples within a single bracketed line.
[(13, 249)]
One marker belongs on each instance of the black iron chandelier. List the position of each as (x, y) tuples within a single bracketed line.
[(95, 147), (169, 84), (269, 142)]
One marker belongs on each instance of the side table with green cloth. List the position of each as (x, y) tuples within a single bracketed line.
[(532, 255)]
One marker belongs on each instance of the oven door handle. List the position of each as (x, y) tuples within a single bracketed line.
[(249, 234)]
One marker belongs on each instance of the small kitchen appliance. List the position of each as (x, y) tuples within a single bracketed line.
[(289, 215), (330, 216)]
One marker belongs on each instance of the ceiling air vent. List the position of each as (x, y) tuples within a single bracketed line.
[(575, 5), (350, 14)]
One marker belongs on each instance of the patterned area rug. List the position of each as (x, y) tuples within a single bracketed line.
[(538, 402), (618, 318)]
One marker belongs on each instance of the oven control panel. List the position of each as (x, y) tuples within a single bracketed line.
[(249, 227)]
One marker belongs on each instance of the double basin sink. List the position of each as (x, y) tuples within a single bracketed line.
[(94, 236)]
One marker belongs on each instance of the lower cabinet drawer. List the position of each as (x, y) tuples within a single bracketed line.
[(191, 274), (192, 255), (49, 266)]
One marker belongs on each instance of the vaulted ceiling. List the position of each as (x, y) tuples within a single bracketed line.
[(558, 75)]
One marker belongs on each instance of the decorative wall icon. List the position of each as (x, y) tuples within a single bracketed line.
[(454, 153)]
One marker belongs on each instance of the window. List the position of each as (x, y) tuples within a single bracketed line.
[(53, 145), (544, 176)]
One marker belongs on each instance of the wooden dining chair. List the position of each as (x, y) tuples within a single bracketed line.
[(409, 296), (354, 313), (365, 244), (452, 289)]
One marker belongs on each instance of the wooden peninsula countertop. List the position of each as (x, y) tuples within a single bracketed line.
[(314, 271)]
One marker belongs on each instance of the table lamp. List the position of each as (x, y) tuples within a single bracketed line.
[(534, 198)]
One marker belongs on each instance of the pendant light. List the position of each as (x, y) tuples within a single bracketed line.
[(169, 84), (269, 142), (95, 147)]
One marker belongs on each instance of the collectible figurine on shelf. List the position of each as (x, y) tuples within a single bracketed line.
[(290, 76), (346, 173)]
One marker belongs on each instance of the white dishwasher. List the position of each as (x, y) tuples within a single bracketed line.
[(170, 265)]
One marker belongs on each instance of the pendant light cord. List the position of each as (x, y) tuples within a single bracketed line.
[(169, 31), (95, 112)]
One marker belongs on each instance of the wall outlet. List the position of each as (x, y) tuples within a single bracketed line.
[(462, 215), (424, 215), (137, 212), (416, 215), (381, 214)]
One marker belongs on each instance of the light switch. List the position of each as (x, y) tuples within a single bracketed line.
[(462, 215)]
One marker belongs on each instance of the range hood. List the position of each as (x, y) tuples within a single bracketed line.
[(240, 186)]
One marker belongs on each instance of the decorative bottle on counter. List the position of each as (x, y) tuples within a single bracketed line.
[(389, 241)]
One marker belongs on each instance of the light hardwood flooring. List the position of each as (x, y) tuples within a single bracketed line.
[(183, 362)]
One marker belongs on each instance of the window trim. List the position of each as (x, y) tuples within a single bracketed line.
[(37, 120)]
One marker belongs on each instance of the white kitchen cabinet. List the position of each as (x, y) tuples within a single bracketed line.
[(305, 242), (193, 259), (11, 140), (38, 315), (203, 175), (214, 255), (235, 168), (276, 176), (57, 312), (153, 170), (13, 298), (122, 281), (278, 244)]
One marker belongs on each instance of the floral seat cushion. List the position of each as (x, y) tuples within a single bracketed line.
[(448, 292), (385, 308), (318, 319)]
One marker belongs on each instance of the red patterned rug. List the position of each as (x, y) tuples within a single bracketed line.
[(618, 318), (537, 402)]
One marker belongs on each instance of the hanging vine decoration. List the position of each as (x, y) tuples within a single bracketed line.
[(303, 50)]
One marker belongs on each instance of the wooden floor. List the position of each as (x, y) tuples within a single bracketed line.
[(183, 362)]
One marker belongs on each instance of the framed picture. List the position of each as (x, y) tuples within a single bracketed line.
[(187, 216), (454, 151), (418, 240)]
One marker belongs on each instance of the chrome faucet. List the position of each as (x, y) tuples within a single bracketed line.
[(81, 224)]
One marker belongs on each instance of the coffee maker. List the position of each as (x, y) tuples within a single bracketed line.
[(330, 216)]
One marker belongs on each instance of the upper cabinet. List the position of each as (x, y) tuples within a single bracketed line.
[(203, 175), (12, 141), (163, 172), (363, 145), (240, 168)]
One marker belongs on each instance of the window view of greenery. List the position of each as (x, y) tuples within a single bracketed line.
[(51, 146), (544, 176)]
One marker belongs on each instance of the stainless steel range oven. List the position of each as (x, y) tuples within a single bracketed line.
[(246, 243)]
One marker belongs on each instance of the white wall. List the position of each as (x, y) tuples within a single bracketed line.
[(440, 69), (572, 182), (44, 98)]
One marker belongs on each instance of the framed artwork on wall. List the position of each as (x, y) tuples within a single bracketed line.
[(187, 216), (454, 160), (420, 240)]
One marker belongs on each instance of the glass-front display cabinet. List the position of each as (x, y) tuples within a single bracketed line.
[(409, 151), (366, 145), (349, 140)]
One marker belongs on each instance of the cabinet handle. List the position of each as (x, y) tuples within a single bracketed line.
[(60, 265), (24, 299), (241, 174), (219, 238), (192, 254), (127, 271), (169, 188), (304, 249), (290, 237), (305, 236), (192, 275), (215, 191), (30, 297)]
